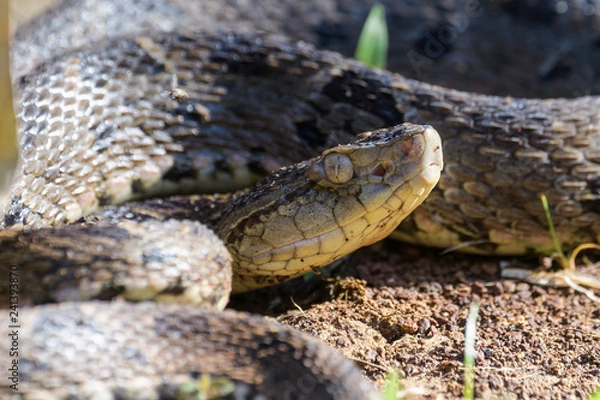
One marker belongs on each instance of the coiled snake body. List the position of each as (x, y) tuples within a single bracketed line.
[(178, 112)]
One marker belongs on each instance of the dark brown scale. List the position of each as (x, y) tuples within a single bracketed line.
[(283, 362)]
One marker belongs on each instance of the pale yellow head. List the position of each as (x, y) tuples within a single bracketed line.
[(306, 216)]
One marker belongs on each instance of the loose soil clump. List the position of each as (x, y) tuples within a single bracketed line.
[(404, 309)]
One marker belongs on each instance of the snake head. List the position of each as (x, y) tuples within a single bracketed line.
[(384, 155), (317, 211)]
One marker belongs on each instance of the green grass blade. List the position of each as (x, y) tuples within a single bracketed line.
[(391, 385), (372, 45), (469, 357), (596, 394), (557, 246)]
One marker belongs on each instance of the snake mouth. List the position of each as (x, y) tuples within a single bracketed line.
[(433, 160)]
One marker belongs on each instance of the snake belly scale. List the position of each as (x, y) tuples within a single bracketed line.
[(178, 112)]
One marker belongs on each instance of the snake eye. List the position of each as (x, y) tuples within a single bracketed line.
[(338, 167)]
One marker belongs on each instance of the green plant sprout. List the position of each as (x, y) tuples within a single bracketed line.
[(563, 258), (596, 394), (469, 355), (372, 47), (391, 385), (568, 275), (206, 388), (567, 262)]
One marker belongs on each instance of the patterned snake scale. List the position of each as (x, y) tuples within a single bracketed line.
[(157, 108)]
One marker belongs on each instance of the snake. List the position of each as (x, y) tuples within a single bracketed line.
[(167, 106)]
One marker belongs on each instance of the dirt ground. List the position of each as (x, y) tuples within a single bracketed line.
[(394, 306)]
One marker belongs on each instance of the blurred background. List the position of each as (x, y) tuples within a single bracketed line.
[(12, 13)]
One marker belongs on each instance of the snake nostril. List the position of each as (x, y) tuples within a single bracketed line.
[(379, 170)]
